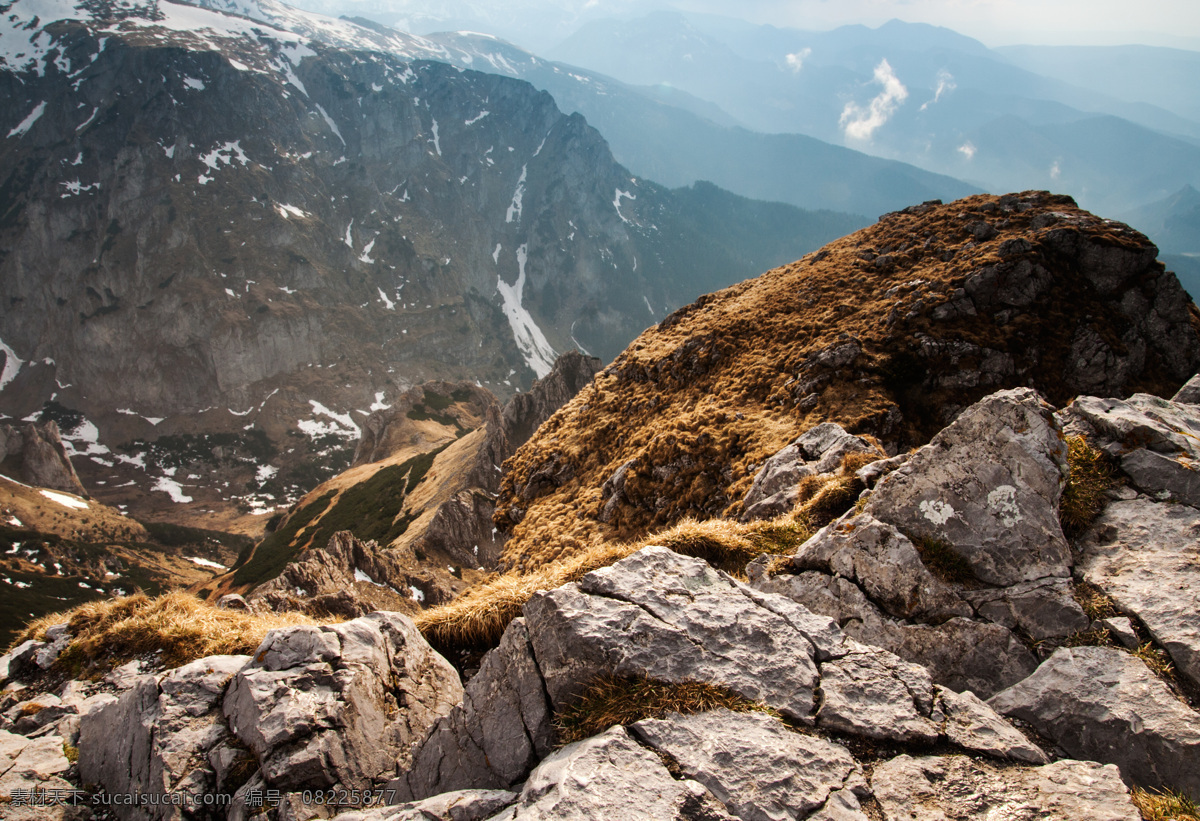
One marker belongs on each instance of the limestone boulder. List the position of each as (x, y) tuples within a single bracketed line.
[(339, 704), (499, 732), (759, 769), (988, 487), (611, 776), (1146, 556), (958, 788), (1103, 704), (165, 734)]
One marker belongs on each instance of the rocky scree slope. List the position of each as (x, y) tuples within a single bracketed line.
[(890, 332), (209, 222)]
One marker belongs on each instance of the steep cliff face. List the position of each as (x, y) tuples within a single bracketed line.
[(890, 331), (209, 223)]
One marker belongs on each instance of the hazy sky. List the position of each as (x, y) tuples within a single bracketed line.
[(995, 22)]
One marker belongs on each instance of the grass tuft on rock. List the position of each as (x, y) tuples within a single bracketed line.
[(109, 633), (1096, 604), (1085, 495), (476, 619), (1164, 805), (945, 562), (612, 700)]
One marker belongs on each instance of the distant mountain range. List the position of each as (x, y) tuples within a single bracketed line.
[(227, 240)]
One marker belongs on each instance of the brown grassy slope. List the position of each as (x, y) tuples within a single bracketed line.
[(852, 333)]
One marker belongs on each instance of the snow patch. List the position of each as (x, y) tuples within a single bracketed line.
[(617, 197), (206, 563), (65, 499), (391, 306), (30, 119), (437, 144), (496, 254), (365, 256), (476, 118), (518, 199), (193, 83), (529, 337), (286, 210), (329, 122), (12, 365), (172, 489), (378, 404)]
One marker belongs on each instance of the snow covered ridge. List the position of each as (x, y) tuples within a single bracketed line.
[(214, 25)]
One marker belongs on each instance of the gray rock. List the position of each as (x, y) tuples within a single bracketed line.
[(1121, 629), (18, 659), (884, 564), (842, 806), (760, 770), (495, 736), (674, 619), (957, 788), (232, 601), (973, 725), (1043, 609), (988, 486), (35, 764), (870, 474), (1146, 556), (962, 654), (1190, 392), (339, 704), (158, 736), (611, 776), (461, 805), (1103, 704), (1155, 440), (875, 694), (818, 450)]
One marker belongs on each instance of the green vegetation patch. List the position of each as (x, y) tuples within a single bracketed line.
[(371, 509), (275, 551), (172, 535)]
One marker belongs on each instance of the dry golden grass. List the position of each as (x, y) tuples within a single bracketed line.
[(109, 633), (611, 700), (478, 617), (1095, 602), (1157, 660), (1084, 496), (1164, 805)]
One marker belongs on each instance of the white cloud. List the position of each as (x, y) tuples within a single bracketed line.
[(945, 83), (967, 149), (1055, 171), (859, 123), (795, 61)]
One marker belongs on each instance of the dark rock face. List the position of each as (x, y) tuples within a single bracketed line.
[(34, 454), (525, 412)]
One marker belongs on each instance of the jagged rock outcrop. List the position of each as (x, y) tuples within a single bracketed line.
[(28, 765), (892, 331), (1103, 704), (674, 619), (349, 578), (525, 412), (447, 528), (982, 499), (34, 454), (314, 708), (816, 451)]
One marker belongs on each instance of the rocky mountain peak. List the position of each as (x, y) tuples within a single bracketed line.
[(890, 331)]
